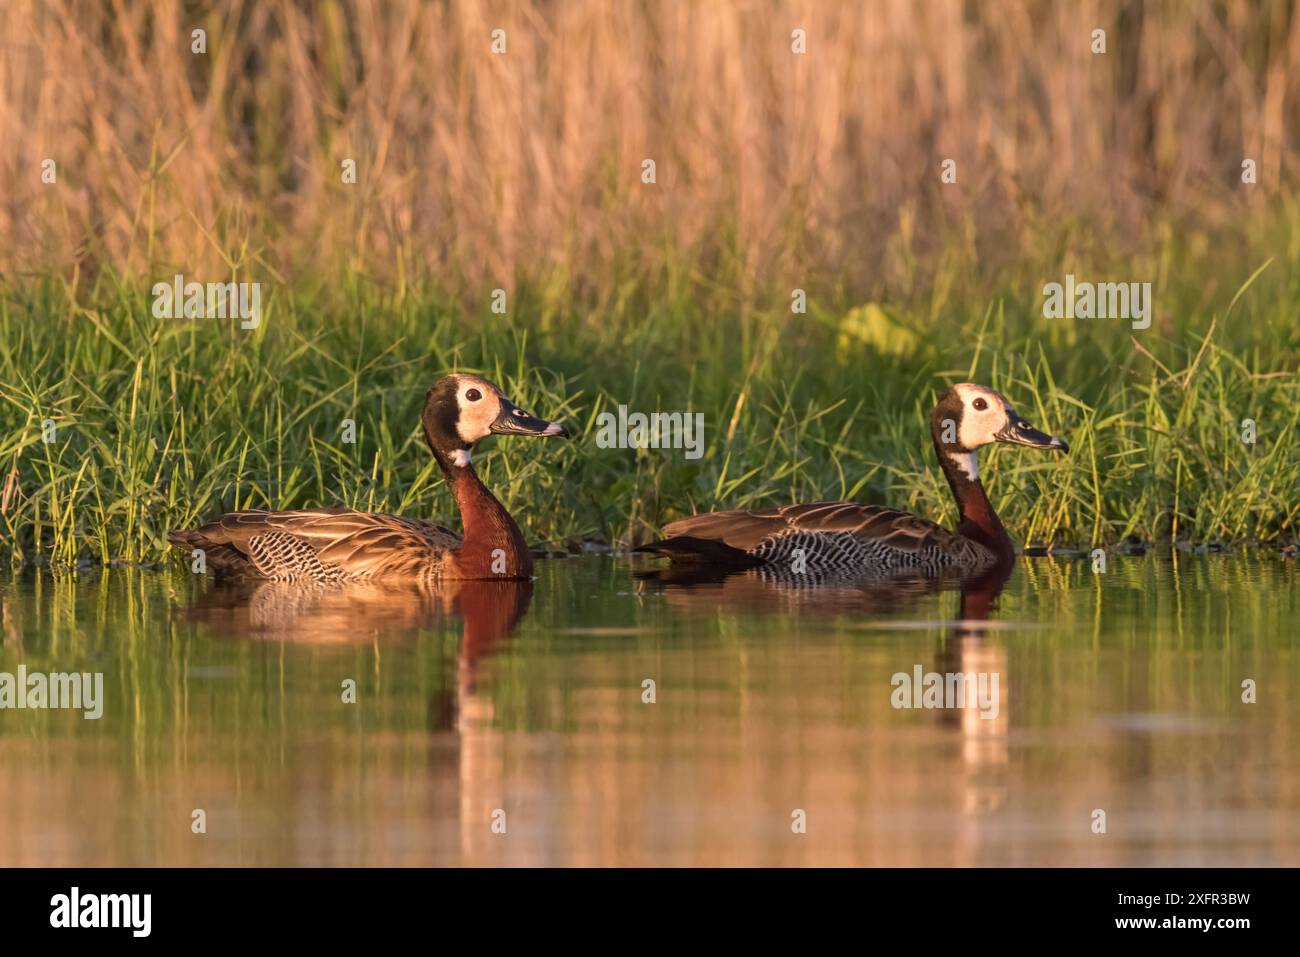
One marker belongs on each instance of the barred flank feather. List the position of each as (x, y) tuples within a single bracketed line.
[(327, 545), (830, 536)]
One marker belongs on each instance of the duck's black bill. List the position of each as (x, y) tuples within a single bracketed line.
[(514, 421), (1020, 432)]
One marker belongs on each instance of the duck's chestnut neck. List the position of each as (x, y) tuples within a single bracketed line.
[(493, 547), (979, 522)]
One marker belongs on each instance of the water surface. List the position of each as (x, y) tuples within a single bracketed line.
[(523, 707)]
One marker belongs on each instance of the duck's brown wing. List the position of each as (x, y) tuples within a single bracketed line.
[(326, 544), (840, 533)]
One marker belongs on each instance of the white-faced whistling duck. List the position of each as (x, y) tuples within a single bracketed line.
[(848, 538), (332, 545)]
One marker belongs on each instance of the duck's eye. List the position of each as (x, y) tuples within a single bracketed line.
[(980, 405), (473, 395)]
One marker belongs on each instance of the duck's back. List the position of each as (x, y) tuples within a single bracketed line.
[(820, 536), (325, 544)]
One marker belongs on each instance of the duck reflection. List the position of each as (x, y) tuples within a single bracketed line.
[(774, 590), (490, 612), (359, 614), (347, 614), (980, 722)]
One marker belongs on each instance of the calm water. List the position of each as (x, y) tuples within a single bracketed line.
[(1120, 692)]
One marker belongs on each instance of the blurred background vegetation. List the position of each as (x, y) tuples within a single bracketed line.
[(522, 171)]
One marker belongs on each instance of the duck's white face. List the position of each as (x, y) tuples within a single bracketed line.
[(973, 416), (478, 404), (984, 415), (482, 409)]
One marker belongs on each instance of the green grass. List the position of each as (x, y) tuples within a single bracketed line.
[(161, 423)]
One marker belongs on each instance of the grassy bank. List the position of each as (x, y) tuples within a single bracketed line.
[(158, 423), (919, 170)]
